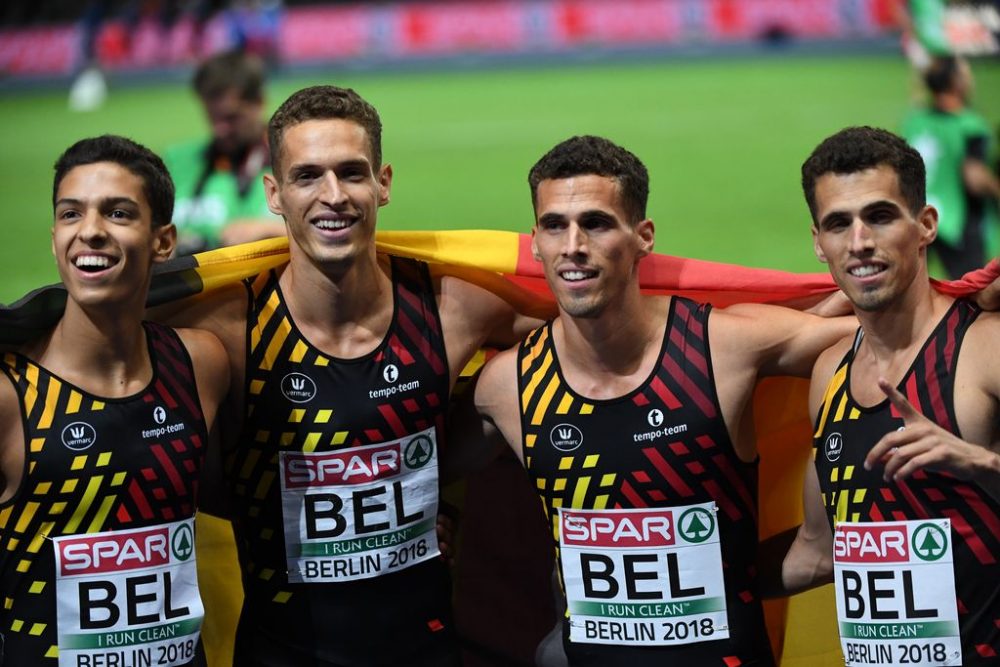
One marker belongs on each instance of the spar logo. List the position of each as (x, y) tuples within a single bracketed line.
[(298, 388), (357, 465), (696, 525), (418, 452), (79, 436), (833, 447), (182, 542), (929, 542), (566, 437), (876, 543), (648, 528), (655, 418), (110, 552)]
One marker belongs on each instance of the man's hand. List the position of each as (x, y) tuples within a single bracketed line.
[(921, 443)]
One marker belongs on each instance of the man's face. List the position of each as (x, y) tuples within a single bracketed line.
[(102, 237), (236, 123), (874, 246), (328, 190), (586, 245)]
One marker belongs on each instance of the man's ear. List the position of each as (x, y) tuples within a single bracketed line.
[(646, 231), (534, 246), (271, 193), (928, 221), (384, 184), (164, 242), (820, 255)]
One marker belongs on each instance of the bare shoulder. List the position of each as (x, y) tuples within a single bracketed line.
[(498, 380), (826, 365), (760, 320), (979, 351), (210, 360), (463, 300)]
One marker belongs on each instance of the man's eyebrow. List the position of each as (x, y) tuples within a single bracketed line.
[(551, 217), (106, 201), (881, 203)]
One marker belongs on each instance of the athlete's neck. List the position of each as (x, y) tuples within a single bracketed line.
[(101, 352), (610, 355), (892, 333), (949, 102), (345, 312)]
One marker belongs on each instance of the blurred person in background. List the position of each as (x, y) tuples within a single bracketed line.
[(220, 192), (958, 147)]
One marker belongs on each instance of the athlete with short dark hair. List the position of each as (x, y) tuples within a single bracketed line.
[(105, 422), (343, 363), (902, 507), (631, 415)]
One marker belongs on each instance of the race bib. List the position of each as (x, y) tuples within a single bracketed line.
[(895, 584), (128, 597), (643, 577), (360, 512)]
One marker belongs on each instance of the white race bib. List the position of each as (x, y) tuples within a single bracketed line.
[(128, 597), (643, 577), (895, 585), (360, 512)]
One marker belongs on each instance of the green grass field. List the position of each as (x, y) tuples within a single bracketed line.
[(723, 140)]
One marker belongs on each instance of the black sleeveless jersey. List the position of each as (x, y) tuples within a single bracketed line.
[(302, 401), (662, 445), (846, 431), (92, 465)]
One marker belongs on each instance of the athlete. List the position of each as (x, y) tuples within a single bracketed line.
[(104, 423), (635, 430), (342, 366), (220, 193), (958, 149), (903, 505)]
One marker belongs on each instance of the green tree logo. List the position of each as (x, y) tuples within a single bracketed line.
[(929, 542), (418, 452), (182, 543), (696, 525)]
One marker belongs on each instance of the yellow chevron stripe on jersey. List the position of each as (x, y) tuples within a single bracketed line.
[(832, 388)]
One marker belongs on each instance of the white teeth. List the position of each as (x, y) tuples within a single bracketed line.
[(866, 270), (93, 260), (577, 275), (332, 224)]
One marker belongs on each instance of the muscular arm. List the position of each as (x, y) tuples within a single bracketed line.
[(12, 445), (802, 558)]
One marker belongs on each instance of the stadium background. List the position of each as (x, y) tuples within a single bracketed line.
[(723, 128)]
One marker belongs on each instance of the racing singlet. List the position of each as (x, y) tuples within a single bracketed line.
[(97, 562), (653, 514), (336, 488), (915, 561)]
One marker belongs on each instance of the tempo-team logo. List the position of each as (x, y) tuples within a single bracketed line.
[(655, 418), (298, 388), (159, 414), (566, 437), (390, 373), (833, 447), (79, 436)]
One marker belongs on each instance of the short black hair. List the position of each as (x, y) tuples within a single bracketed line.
[(231, 70), (144, 163), (855, 149), (940, 74), (323, 103), (587, 154)]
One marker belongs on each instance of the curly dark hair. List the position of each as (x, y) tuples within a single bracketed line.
[(855, 149), (144, 163), (321, 103), (582, 155)]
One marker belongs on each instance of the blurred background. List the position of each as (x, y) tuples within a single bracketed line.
[(722, 99)]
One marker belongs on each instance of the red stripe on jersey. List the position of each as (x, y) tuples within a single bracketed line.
[(723, 500), (165, 396), (664, 393), (421, 343), (139, 498), (414, 301), (688, 387), (690, 354), (632, 496), (400, 350), (949, 346), (667, 472), (168, 467), (967, 533), (735, 482), (640, 400), (934, 386), (912, 501), (393, 419), (980, 509)]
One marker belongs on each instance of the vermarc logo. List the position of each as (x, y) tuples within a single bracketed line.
[(298, 388), (566, 437), (833, 447), (79, 436)]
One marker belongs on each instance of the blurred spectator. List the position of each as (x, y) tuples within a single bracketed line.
[(220, 193), (924, 35), (958, 149)]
